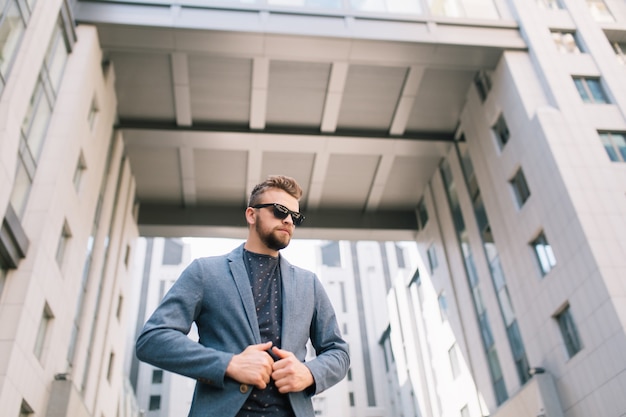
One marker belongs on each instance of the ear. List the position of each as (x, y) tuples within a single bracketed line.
[(250, 215)]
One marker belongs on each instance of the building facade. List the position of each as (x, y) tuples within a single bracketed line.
[(517, 307)]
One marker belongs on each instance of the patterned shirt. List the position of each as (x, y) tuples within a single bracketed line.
[(265, 281)]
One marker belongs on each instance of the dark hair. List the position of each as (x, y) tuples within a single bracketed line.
[(280, 182)]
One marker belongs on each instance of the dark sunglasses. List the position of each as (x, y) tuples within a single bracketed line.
[(281, 212)]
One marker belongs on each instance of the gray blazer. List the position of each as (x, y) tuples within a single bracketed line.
[(215, 293)]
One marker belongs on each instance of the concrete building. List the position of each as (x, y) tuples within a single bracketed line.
[(491, 132)]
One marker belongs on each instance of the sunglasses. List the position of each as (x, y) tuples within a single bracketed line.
[(281, 212)]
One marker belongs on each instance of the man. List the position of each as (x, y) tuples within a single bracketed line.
[(255, 313)]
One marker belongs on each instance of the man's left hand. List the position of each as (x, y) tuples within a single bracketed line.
[(289, 374)]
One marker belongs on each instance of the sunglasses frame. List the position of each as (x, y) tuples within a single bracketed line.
[(281, 212)]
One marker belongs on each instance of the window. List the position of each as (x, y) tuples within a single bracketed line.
[(566, 42), (422, 214), (400, 256), (42, 332), (520, 187), (155, 403), (120, 303), (548, 4), (3, 278), (568, 331), (620, 51), (482, 81), (432, 258), (93, 112), (79, 171), (454, 361), (25, 410), (501, 130), (351, 398), (615, 145), (172, 252), (599, 11), (157, 376), (443, 306), (110, 367), (62, 245), (56, 56), (544, 254), (331, 255), (12, 25), (590, 90)]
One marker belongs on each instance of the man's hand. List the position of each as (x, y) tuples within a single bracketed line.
[(252, 366), (290, 375)]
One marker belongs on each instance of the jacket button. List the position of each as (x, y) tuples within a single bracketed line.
[(243, 388)]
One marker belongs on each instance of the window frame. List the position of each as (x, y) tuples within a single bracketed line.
[(591, 90), (545, 258)]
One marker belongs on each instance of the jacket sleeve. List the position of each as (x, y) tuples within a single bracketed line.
[(163, 342), (332, 358)]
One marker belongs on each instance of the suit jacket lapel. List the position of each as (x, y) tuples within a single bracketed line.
[(240, 275), (289, 302)]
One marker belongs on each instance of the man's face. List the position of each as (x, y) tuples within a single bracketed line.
[(273, 232)]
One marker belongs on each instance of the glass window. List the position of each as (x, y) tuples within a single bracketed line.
[(590, 90), (544, 254), (25, 410), (569, 332), (501, 130), (620, 51), (482, 82), (93, 112), (432, 258), (155, 403), (79, 171), (172, 252), (3, 278), (11, 30), (599, 11), (615, 145), (120, 304), (42, 332), (62, 245), (454, 361), (484, 9), (443, 306), (157, 376), (520, 187), (400, 256), (111, 366), (422, 214), (21, 188), (331, 255), (548, 4), (56, 56), (566, 42)]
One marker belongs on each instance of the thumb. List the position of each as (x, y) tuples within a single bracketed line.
[(262, 346), (282, 354)]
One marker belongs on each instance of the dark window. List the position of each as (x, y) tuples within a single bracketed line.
[(569, 331), (155, 402), (157, 376), (482, 81), (501, 130), (422, 214), (615, 145), (544, 253), (400, 257), (520, 187)]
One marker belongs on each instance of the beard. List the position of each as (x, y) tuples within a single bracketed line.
[(272, 239)]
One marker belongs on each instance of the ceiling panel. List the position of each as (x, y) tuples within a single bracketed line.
[(407, 178), (370, 97), (220, 177), (296, 93), (142, 94), (439, 100), (220, 89), (294, 164), (157, 173), (348, 180)]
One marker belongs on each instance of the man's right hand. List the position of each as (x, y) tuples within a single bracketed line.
[(252, 366)]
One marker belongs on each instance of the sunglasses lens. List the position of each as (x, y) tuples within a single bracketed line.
[(280, 212)]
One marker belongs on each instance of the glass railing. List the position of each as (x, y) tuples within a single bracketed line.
[(473, 9)]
